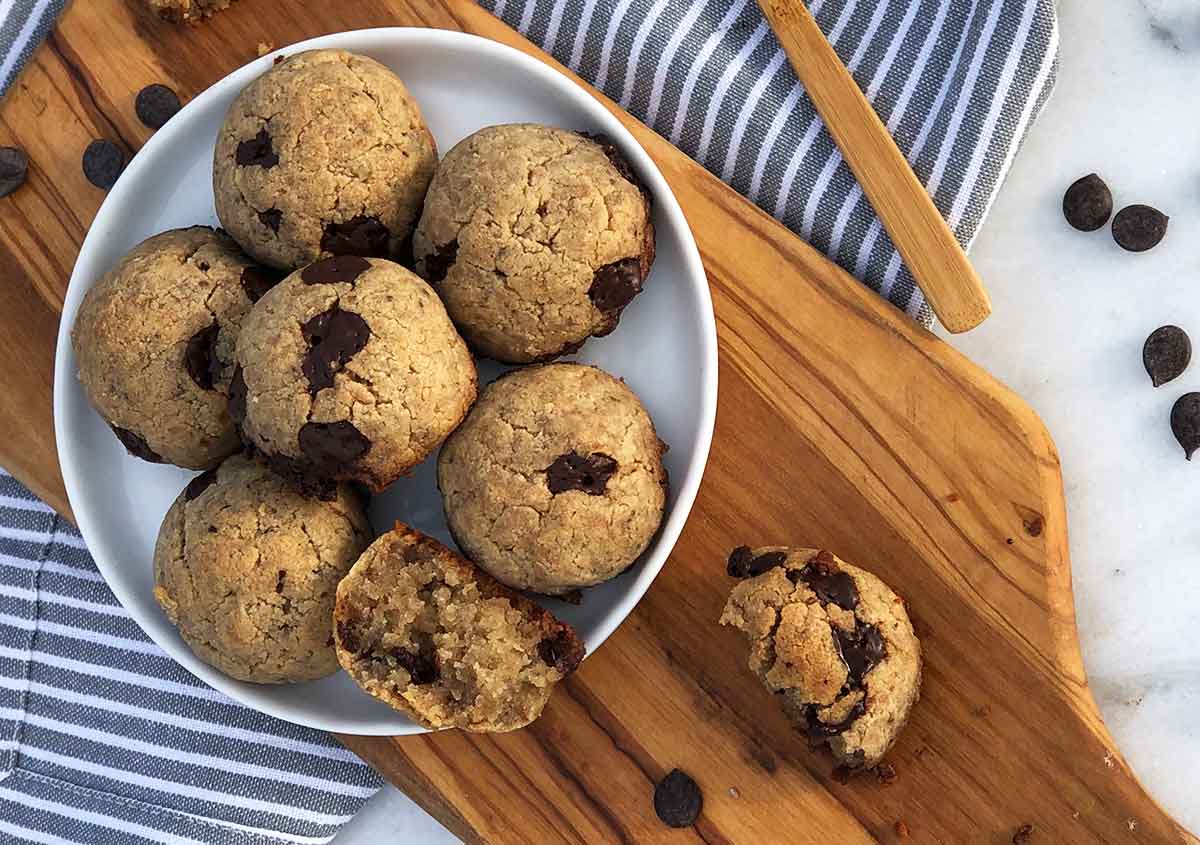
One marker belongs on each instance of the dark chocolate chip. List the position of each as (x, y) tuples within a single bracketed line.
[(1185, 422), (348, 636), (421, 668), (103, 162), (438, 263), (237, 396), (136, 446), (256, 281), (678, 800), (331, 447), (573, 471), (1166, 354), (199, 484), (862, 650), (280, 578), (1137, 228), (1023, 835), (1088, 203), (743, 563), (357, 236), (341, 268), (561, 651), (333, 337), (615, 157), (818, 732), (271, 218), (14, 167), (615, 285), (200, 356), (155, 105), (257, 151), (830, 583)]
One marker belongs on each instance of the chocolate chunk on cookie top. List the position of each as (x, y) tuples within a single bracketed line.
[(833, 642)]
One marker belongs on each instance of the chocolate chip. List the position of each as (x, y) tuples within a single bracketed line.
[(348, 637), (256, 281), (819, 732), (200, 357), (561, 651), (1023, 835), (237, 396), (14, 167), (357, 236), (1088, 203), (331, 447), (615, 285), (678, 800), (862, 649), (1137, 228), (271, 218), (280, 578), (341, 268), (421, 668), (744, 564), (136, 446), (830, 583), (257, 151), (615, 157), (103, 162), (333, 337), (573, 471), (155, 105), (199, 484), (1185, 422), (438, 263), (1166, 354)]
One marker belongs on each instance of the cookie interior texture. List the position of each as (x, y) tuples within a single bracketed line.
[(423, 629), (833, 641)]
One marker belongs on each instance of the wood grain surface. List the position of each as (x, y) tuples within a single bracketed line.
[(841, 424)]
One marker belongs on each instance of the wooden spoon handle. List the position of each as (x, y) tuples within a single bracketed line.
[(917, 228)]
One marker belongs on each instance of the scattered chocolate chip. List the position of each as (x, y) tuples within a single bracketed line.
[(256, 281), (333, 337), (155, 105), (257, 151), (341, 268), (271, 218), (1137, 228), (438, 263), (1166, 354), (135, 445), (862, 649), (332, 446), (1088, 203), (830, 583), (819, 732), (348, 636), (199, 484), (743, 564), (421, 668), (678, 800), (615, 157), (237, 396), (1023, 835), (561, 651), (573, 471), (357, 236), (200, 356), (212, 529), (103, 162), (14, 167), (886, 773), (1185, 422), (615, 285)]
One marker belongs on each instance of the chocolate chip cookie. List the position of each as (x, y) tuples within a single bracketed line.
[(187, 10), (423, 629), (247, 569), (555, 480), (154, 343), (349, 370), (324, 154), (536, 238), (833, 642)]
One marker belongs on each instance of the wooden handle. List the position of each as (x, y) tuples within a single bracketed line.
[(929, 248)]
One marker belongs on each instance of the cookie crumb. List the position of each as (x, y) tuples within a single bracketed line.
[(886, 773), (1108, 759), (264, 47), (982, 711), (1023, 835), (733, 792), (1132, 823), (1075, 814), (901, 830)]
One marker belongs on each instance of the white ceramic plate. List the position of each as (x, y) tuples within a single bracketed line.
[(665, 346)]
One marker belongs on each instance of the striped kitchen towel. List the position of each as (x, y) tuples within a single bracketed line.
[(23, 25), (958, 83), (105, 739)]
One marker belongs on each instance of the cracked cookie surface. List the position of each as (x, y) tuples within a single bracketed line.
[(555, 480), (247, 570), (833, 641), (154, 341), (536, 238), (349, 370), (422, 628), (324, 154)]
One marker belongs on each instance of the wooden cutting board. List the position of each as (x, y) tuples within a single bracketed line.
[(841, 424)]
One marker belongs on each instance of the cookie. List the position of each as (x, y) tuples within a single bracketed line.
[(536, 238), (247, 570), (154, 342), (349, 370), (555, 480), (423, 629), (187, 10), (833, 642), (324, 154)]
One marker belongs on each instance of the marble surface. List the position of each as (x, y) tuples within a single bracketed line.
[(1071, 313)]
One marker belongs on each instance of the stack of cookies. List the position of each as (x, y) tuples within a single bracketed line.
[(321, 344)]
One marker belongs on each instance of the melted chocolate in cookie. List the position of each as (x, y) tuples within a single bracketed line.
[(136, 446), (831, 585), (357, 236), (439, 262), (421, 668), (573, 471), (341, 268), (256, 281), (348, 636), (862, 650), (615, 285), (200, 357), (333, 337), (331, 447), (271, 218), (818, 731), (561, 651), (199, 484), (743, 563), (257, 152)]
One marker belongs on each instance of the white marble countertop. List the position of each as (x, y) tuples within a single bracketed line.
[(1071, 313)]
